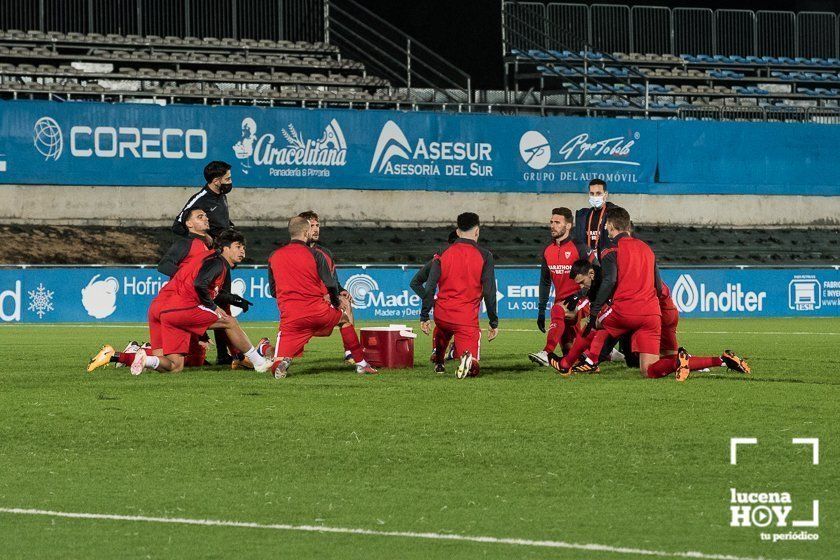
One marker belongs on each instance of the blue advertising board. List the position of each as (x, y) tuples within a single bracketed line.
[(56, 295), (129, 144)]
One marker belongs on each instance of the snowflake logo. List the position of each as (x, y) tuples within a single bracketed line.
[(40, 300)]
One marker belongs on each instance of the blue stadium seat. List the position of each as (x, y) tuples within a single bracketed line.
[(828, 76), (705, 58), (770, 59), (786, 60), (617, 72), (805, 61), (689, 58), (811, 92), (817, 91), (834, 61), (813, 76), (739, 59), (538, 54), (755, 59), (820, 61), (572, 86)]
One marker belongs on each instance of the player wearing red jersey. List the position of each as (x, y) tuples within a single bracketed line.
[(463, 274), (308, 299), (188, 309), (557, 259)]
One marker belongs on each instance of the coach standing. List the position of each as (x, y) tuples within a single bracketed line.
[(590, 222), (212, 198)]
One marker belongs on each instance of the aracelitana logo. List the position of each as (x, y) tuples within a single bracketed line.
[(99, 297), (774, 509), (580, 150), (689, 297), (109, 141), (395, 155), (297, 156)]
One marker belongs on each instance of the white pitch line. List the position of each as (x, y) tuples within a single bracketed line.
[(369, 532)]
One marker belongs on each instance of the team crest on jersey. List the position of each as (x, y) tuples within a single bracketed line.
[(568, 254)]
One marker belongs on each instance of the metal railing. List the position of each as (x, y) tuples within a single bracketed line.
[(532, 33), (290, 20), (661, 30), (394, 55)]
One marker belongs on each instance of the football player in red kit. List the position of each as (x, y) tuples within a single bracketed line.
[(631, 282), (301, 279), (557, 260), (186, 309), (682, 362), (463, 274)]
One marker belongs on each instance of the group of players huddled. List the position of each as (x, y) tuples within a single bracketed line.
[(607, 291)]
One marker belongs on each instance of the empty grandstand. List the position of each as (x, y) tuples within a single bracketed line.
[(218, 52), (680, 62)]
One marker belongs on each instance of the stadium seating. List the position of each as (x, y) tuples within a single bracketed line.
[(116, 67), (674, 82), (667, 82)]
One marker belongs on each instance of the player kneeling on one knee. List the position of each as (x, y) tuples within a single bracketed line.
[(189, 310)]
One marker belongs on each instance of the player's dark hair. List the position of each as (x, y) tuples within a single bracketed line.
[(190, 212), (619, 218), (601, 182), (565, 212), (453, 236), (309, 215), (580, 266), (467, 221), (228, 237), (215, 170)]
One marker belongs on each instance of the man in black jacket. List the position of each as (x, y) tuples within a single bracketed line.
[(590, 222), (212, 198)]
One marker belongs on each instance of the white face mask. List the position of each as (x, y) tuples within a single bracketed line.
[(596, 201)]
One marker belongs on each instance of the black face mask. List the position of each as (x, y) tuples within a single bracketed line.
[(225, 188)]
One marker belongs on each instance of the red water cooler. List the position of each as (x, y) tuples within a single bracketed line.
[(389, 347)]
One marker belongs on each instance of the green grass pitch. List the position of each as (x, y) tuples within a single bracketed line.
[(609, 459)]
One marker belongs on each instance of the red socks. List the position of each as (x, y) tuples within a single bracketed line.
[(665, 366), (668, 365), (554, 335), (125, 358), (441, 344), (581, 343), (351, 342), (697, 362)]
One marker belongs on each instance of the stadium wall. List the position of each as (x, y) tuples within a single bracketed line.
[(111, 294), (406, 168)]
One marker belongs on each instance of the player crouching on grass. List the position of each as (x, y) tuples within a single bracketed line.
[(463, 274), (301, 279), (630, 281), (186, 309)]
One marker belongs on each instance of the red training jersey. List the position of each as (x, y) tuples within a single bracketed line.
[(464, 274), (299, 277), (630, 278), (197, 283), (557, 261)]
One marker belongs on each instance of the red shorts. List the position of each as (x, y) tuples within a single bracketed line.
[(668, 336), (295, 332), (645, 330), (467, 337), (178, 326), (155, 333)]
